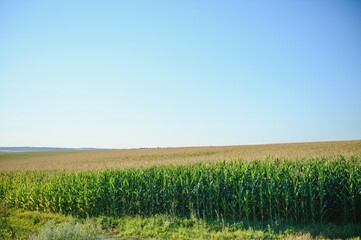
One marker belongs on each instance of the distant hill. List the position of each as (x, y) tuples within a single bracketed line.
[(40, 149)]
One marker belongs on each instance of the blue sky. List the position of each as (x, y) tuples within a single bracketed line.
[(123, 74)]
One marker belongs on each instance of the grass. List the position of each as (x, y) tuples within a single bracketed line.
[(25, 224), (170, 227), (115, 159), (20, 224), (66, 231)]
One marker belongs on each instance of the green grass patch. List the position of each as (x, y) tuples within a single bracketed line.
[(40, 225), (20, 224)]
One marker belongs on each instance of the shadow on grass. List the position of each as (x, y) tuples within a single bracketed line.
[(265, 230), (315, 230)]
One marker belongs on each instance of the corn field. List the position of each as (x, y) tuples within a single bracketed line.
[(313, 190)]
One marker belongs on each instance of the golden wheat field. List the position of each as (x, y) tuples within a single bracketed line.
[(110, 159)]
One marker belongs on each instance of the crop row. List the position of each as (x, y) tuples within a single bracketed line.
[(313, 190)]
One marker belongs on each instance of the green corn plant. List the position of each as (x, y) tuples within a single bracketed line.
[(317, 190)]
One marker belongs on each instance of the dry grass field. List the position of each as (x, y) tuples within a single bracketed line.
[(110, 159)]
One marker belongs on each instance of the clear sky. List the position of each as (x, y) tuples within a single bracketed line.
[(123, 74)]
